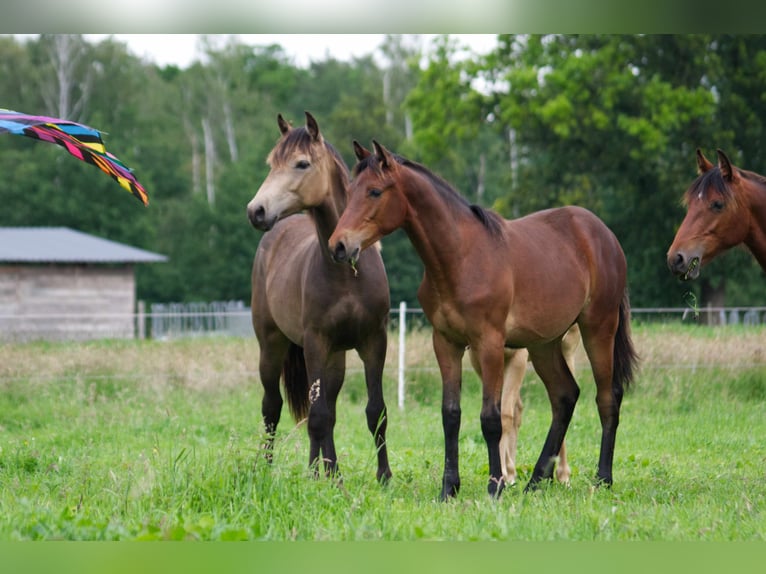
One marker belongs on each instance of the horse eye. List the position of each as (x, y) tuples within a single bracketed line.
[(375, 192), (717, 206), (302, 164)]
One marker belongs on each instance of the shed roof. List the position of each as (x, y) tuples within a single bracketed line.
[(64, 245)]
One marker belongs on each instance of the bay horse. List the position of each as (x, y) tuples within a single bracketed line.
[(726, 206), (307, 310), (491, 284)]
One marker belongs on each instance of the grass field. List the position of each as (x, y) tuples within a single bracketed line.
[(144, 440)]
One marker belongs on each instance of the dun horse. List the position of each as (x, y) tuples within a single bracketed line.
[(308, 310), (493, 284), (726, 206)]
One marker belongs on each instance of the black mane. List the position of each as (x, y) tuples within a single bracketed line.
[(489, 219)]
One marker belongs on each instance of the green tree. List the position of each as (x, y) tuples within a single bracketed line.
[(610, 123)]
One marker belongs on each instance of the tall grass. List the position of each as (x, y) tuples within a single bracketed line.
[(134, 440)]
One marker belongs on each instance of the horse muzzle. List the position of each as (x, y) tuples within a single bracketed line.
[(259, 219), (686, 267), (343, 254)]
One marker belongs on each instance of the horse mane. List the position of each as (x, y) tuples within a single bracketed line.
[(491, 221), (342, 170), (752, 176)]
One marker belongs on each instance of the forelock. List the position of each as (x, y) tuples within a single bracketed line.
[(297, 140), (710, 180)]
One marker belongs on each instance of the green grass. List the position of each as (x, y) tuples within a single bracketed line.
[(151, 440)]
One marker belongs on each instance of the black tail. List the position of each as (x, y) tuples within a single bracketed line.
[(296, 382), (625, 356)]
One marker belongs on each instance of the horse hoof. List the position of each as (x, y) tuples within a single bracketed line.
[(384, 477), (604, 482), (448, 493), (532, 486), (495, 487)]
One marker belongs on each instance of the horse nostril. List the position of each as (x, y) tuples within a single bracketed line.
[(676, 261), (257, 216), (339, 254)]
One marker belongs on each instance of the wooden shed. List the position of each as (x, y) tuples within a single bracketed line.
[(60, 284)]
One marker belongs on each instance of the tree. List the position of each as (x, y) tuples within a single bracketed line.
[(610, 123)]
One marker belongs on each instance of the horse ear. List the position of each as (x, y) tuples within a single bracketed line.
[(703, 164), (383, 155), (284, 126), (312, 127), (360, 151), (727, 171)]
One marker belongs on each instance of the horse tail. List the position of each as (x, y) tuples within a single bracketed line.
[(625, 356), (296, 382)]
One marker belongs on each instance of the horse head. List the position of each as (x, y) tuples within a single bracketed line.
[(376, 203), (714, 218), (302, 167)]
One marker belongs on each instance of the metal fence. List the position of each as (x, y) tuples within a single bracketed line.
[(169, 320), (706, 315), (232, 318)]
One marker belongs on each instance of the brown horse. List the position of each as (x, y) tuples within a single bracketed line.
[(726, 206), (493, 284), (308, 310)]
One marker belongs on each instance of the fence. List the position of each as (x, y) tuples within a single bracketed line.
[(169, 320), (232, 318), (194, 319)]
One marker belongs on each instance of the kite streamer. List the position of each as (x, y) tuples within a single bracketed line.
[(81, 141)]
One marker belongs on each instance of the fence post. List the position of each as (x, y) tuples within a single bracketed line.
[(402, 330), (141, 320)]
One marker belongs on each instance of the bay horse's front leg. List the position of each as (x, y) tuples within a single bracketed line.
[(449, 357), (511, 406), (373, 355), (490, 353)]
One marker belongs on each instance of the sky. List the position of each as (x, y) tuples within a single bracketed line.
[(181, 49)]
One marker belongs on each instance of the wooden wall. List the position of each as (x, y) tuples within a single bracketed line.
[(66, 302)]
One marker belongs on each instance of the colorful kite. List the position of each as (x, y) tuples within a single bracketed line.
[(81, 141)]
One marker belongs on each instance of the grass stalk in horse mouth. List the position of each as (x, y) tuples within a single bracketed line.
[(692, 266)]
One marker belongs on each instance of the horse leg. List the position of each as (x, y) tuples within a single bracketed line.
[(373, 355), (273, 349), (563, 393), (600, 350), (490, 353), (449, 357), (335, 372), (568, 346), (511, 407), (325, 374)]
